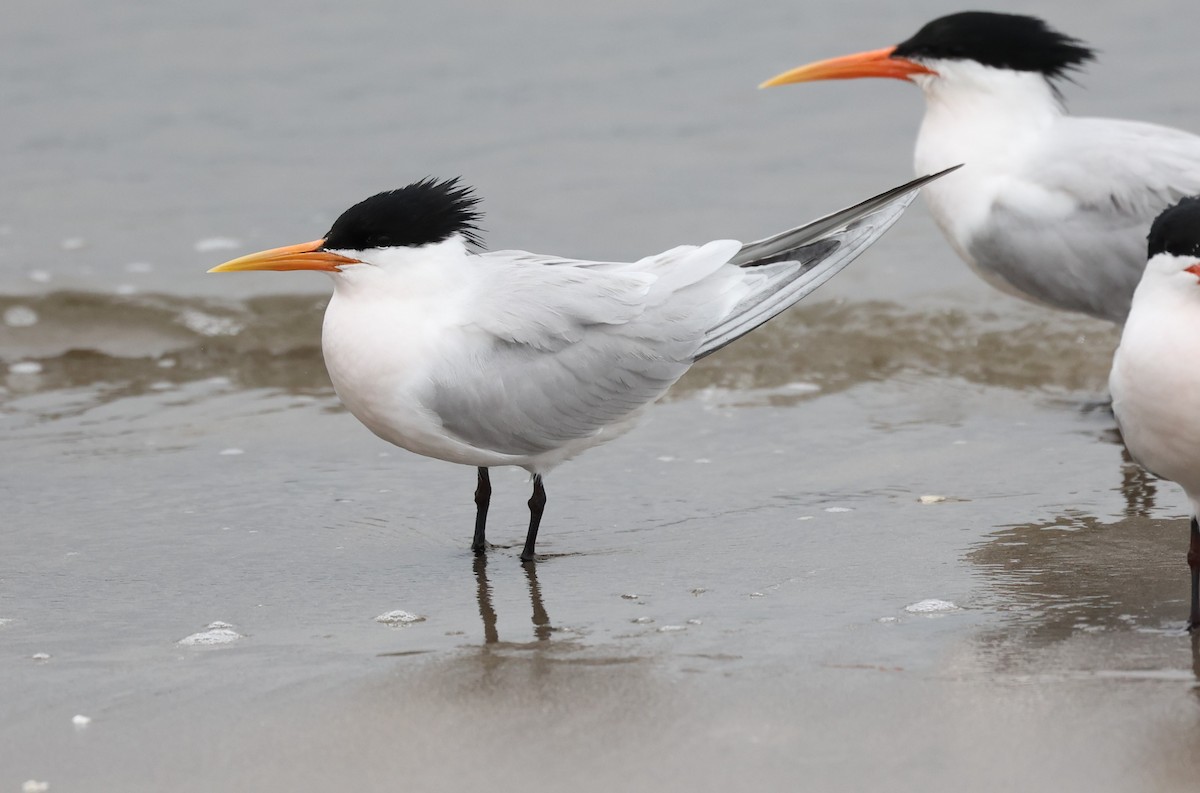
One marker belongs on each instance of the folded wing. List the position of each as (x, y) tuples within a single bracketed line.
[(564, 348)]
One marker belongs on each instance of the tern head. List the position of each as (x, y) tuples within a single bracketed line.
[(1174, 241), (423, 213), (1009, 42)]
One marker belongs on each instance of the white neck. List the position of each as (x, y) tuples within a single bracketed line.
[(993, 121), (987, 108), (1168, 290), (405, 273)]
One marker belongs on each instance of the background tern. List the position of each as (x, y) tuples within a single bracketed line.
[(1155, 377), (1049, 207), (514, 358)]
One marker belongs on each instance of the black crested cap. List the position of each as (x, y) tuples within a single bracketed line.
[(1177, 230), (1005, 41), (425, 212)]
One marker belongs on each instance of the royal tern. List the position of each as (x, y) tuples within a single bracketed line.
[(514, 358), (1049, 207), (1155, 380)]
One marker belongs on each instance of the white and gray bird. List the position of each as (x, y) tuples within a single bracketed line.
[(514, 358), (1050, 207), (1155, 377)]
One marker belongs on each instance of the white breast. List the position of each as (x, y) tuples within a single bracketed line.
[(383, 336), (1155, 379), (990, 120), (994, 212)]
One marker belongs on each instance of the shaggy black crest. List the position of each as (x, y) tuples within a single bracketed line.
[(425, 212), (1177, 229), (1004, 41)]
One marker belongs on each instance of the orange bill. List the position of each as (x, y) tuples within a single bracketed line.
[(876, 63), (1194, 270), (305, 256)]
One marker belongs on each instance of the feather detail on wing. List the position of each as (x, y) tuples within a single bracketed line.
[(1081, 210), (558, 350), (563, 351), (1124, 171), (783, 269)]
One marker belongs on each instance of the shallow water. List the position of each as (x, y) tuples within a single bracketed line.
[(723, 598)]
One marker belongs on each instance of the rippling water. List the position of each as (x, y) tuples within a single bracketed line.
[(138, 343)]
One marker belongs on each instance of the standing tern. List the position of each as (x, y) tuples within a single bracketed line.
[(515, 358), (1155, 380), (1049, 207)]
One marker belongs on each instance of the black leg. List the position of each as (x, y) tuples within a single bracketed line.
[(537, 503), (1193, 558), (483, 497)]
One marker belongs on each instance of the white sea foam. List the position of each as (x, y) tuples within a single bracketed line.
[(216, 633), (397, 617), (930, 606), (209, 325), (20, 317), (25, 367)]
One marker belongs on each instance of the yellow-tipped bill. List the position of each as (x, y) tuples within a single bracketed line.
[(305, 256), (876, 63)]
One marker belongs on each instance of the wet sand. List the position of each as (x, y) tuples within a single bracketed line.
[(724, 601), (709, 609)]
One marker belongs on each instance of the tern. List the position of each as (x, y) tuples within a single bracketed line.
[(515, 358), (1050, 207), (1155, 381)]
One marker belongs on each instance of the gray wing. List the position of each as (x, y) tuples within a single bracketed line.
[(560, 349), (1124, 172), (559, 352), (1082, 209), (785, 268)]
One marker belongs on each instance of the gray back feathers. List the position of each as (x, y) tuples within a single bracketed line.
[(554, 351)]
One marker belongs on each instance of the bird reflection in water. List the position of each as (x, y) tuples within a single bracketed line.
[(487, 612), (1196, 662), (1138, 487)]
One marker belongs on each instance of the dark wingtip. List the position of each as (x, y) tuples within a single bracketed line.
[(920, 181)]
